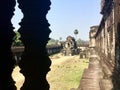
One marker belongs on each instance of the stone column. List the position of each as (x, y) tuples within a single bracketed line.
[(6, 58), (35, 31)]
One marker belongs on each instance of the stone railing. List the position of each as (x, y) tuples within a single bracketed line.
[(17, 51)]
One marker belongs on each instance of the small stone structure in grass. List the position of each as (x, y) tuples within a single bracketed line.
[(84, 51)]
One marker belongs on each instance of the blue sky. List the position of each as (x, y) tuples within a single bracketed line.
[(67, 15)]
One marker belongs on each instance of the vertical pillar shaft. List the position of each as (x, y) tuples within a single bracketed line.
[(7, 34), (35, 32)]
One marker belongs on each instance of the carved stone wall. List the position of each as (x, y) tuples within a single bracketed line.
[(108, 41)]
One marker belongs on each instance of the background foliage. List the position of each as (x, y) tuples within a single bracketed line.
[(16, 40)]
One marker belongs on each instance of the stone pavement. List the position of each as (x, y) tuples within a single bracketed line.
[(91, 76)]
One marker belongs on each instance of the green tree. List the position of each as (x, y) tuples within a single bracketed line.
[(81, 42), (51, 42), (76, 32), (60, 38), (16, 39)]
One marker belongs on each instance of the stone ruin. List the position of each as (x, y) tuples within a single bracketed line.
[(69, 47), (84, 51)]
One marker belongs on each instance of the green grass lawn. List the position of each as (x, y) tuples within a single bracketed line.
[(68, 74)]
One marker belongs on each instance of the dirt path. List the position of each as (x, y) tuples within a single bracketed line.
[(57, 59)]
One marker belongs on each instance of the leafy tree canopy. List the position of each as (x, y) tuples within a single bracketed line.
[(52, 42), (81, 42), (16, 39)]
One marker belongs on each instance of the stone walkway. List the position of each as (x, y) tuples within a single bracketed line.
[(94, 76), (91, 76)]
